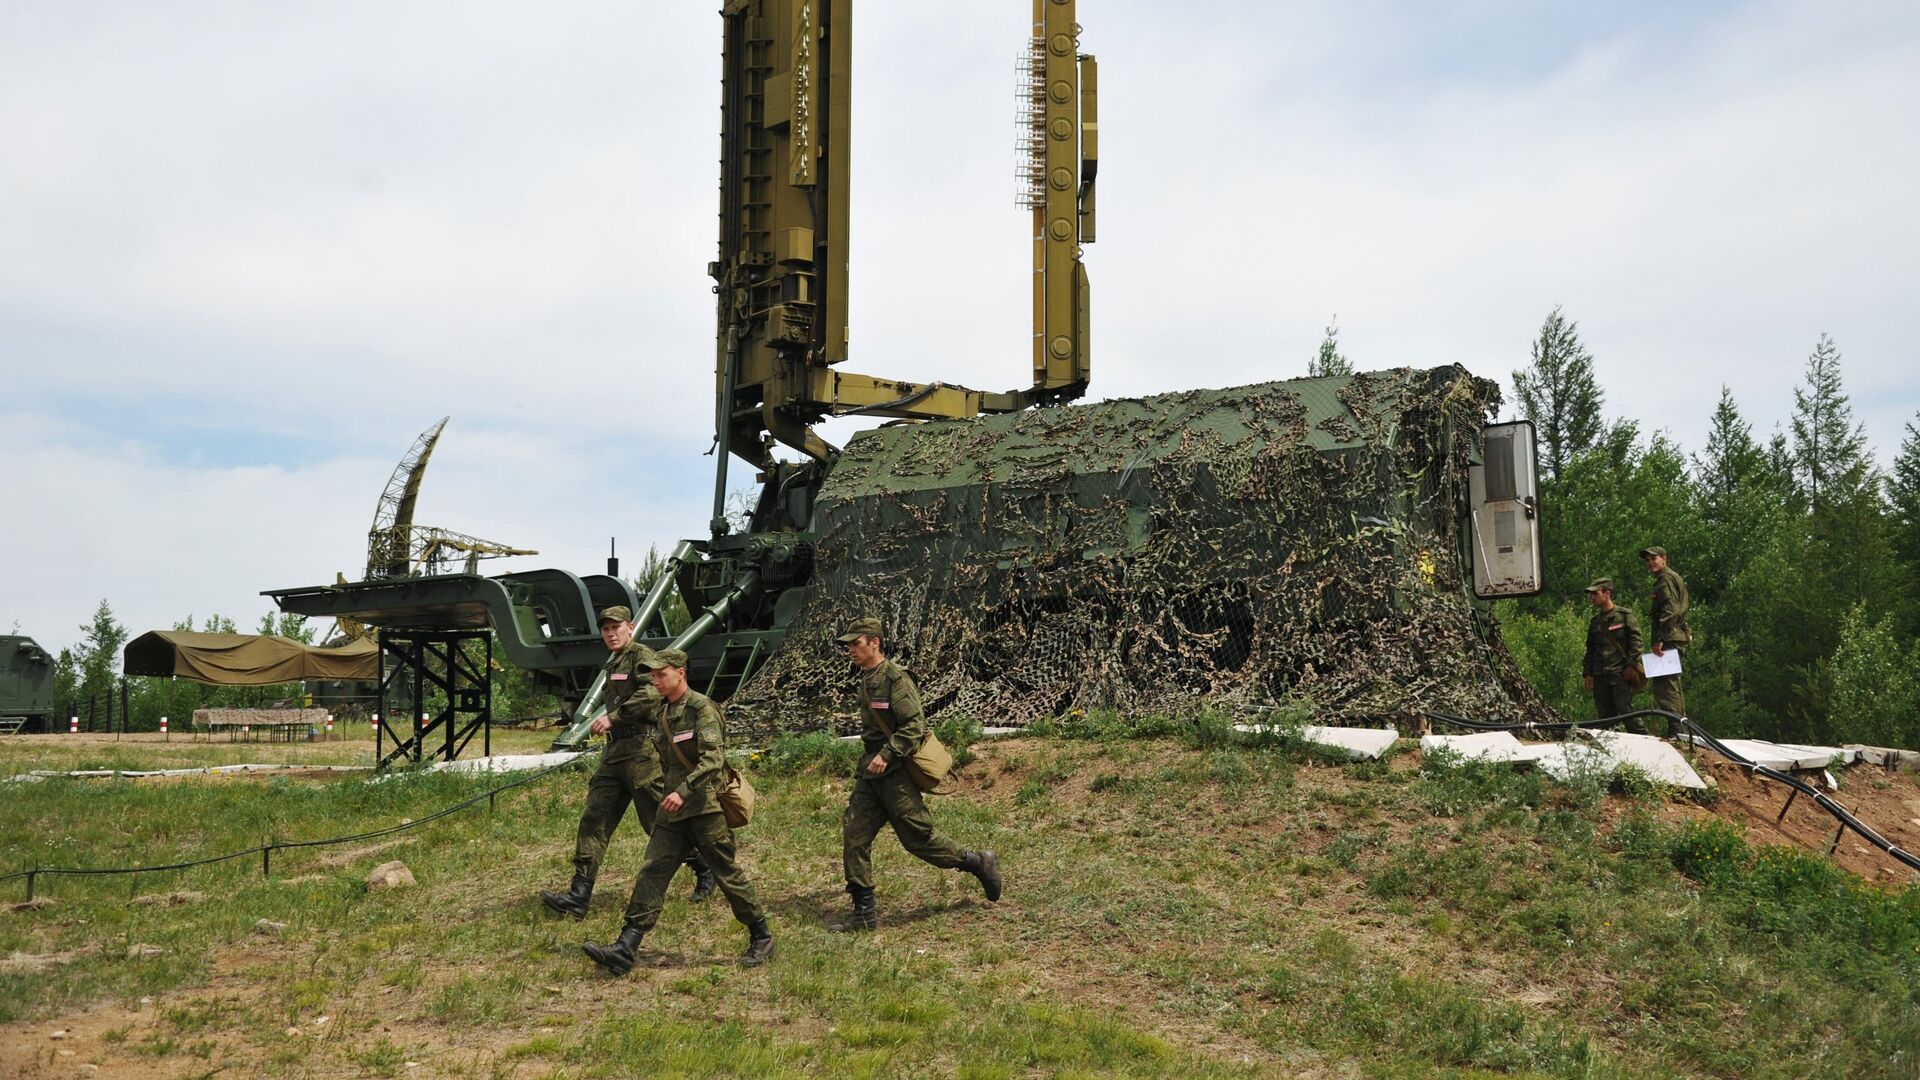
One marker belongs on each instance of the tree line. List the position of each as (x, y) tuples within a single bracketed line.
[(1800, 552)]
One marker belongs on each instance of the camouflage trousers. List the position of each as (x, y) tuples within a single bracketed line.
[(673, 843), (1668, 694), (628, 776), (890, 799), (1612, 697)]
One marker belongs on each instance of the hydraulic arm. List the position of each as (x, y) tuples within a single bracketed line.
[(781, 275)]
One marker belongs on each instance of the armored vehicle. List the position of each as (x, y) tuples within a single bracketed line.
[(26, 684)]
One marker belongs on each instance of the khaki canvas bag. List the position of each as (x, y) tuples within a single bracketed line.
[(1632, 673), (736, 792), (930, 765)]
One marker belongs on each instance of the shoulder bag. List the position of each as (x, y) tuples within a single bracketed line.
[(736, 791)]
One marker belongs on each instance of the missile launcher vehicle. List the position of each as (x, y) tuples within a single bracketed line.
[(1333, 539)]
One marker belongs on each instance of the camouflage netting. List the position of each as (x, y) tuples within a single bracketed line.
[(1229, 548)]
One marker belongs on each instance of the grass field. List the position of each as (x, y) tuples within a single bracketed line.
[(1180, 903)]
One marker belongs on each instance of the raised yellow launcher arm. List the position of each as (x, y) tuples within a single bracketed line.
[(781, 275)]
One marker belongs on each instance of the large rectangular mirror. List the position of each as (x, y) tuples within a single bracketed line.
[(1504, 489)]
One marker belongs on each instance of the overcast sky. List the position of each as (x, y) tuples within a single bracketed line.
[(248, 251)]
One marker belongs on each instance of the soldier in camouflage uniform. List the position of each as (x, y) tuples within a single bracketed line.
[(1613, 645), (629, 772), (1667, 625), (884, 792), (690, 737)]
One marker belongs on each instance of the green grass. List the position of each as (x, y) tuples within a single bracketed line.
[(1194, 902)]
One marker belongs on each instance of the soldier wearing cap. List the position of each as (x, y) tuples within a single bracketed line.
[(1667, 623), (1613, 645), (689, 735), (884, 792), (629, 772)]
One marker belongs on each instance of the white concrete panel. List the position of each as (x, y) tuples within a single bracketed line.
[(1361, 744), (1887, 757), (502, 763), (1481, 745), (1819, 757), (1568, 761), (1650, 754), (1781, 756)]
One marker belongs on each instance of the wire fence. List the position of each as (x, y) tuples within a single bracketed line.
[(265, 851)]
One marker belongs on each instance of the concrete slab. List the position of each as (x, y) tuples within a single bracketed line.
[(1481, 745), (1568, 761), (1835, 755), (1650, 754), (203, 770), (1782, 756), (1888, 758), (1360, 744), (503, 763)]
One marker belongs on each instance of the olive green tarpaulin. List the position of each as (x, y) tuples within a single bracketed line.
[(1230, 548), (246, 659)]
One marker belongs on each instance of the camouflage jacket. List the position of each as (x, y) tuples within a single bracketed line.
[(887, 692), (1668, 617), (1613, 641), (630, 697), (691, 738)]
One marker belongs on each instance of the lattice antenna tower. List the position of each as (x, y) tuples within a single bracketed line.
[(1030, 126), (389, 542), (396, 547)]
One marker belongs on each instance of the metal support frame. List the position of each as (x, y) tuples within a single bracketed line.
[(426, 661)]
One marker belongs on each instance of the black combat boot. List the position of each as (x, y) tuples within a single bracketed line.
[(572, 902), (864, 916), (759, 944), (704, 883), (618, 958), (983, 865)]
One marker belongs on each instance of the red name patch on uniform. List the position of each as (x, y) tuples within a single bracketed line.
[(879, 704), (682, 736), (617, 676), (1616, 626)]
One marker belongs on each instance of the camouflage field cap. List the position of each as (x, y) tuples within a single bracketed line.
[(616, 613), (667, 658), (858, 627), (1650, 552), (1600, 584)]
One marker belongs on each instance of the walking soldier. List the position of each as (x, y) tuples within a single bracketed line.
[(629, 772), (884, 791), (690, 736)]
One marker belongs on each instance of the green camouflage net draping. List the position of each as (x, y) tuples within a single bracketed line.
[(1227, 548)]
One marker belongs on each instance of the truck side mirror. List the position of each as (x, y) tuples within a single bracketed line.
[(1504, 491)]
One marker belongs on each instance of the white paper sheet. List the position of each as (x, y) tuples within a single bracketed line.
[(1667, 663)]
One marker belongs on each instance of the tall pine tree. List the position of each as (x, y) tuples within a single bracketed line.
[(1328, 360), (1559, 393), (97, 661), (1903, 526), (1829, 449)]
